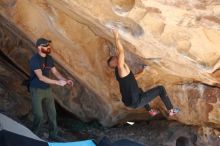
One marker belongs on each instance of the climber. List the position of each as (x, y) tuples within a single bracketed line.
[(41, 64), (132, 95)]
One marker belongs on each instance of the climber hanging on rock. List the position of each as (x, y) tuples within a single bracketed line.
[(132, 95)]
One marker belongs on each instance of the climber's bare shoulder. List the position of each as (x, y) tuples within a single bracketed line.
[(123, 70)]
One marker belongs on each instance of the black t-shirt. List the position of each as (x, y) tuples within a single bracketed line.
[(43, 63), (128, 87)]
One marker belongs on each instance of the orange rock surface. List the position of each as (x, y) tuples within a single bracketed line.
[(179, 40)]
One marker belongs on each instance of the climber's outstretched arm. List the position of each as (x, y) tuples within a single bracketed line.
[(120, 49)]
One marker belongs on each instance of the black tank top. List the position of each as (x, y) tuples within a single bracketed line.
[(128, 87)]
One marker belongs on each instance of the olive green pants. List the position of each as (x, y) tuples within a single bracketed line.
[(38, 96)]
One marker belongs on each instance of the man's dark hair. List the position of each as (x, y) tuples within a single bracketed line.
[(109, 60), (182, 141)]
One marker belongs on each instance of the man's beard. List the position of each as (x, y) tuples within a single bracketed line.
[(46, 51)]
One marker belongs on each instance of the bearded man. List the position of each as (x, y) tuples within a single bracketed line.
[(41, 64)]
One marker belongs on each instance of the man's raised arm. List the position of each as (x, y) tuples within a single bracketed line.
[(121, 55)]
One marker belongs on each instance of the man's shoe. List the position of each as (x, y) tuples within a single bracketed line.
[(153, 112), (173, 111)]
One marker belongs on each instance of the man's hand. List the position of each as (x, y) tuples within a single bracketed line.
[(61, 83), (70, 83), (115, 33)]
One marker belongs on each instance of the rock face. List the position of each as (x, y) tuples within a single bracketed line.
[(177, 39), (14, 99)]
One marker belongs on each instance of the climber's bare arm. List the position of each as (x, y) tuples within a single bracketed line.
[(120, 49), (122, 66)]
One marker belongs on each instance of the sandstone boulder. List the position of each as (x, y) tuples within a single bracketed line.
[(177, 39)]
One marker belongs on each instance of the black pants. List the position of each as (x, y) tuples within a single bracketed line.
[(146, 97)]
